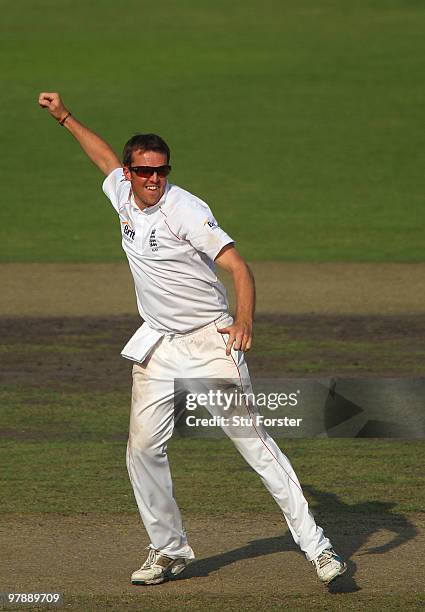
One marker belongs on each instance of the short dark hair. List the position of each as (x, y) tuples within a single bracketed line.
[(144, 142)]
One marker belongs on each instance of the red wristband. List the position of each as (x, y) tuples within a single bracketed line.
[(62, 121)]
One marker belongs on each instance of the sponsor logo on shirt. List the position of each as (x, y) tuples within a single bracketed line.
[(152, 240), (128, 232), (212, 223)]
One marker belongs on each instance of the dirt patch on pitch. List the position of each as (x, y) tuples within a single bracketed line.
[(80, 354), (237, 556), (243, 561)]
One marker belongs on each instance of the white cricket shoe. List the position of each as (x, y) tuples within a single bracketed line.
[(329, 565), (157, 568)]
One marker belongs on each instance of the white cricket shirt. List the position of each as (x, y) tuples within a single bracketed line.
[(171, 249)]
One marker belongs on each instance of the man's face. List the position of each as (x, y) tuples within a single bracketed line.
[(147, 191)]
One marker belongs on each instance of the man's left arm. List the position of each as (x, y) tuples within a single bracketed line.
[(240, 332)]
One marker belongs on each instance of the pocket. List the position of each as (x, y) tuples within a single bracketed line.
[(235, 355), (238, 356)]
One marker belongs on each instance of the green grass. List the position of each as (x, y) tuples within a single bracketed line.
[(65, 452), (70, 476), (89, 414), (297, 120)]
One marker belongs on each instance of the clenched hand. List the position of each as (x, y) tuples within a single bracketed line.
[(54, 104)]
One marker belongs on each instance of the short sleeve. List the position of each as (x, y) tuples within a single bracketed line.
[(198, 226), (116, 188)]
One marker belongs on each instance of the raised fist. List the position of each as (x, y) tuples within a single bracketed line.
[(53, 103)]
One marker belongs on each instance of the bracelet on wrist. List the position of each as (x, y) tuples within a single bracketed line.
[(62, 121)]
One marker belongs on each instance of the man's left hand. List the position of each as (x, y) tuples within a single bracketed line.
[(240, 336)]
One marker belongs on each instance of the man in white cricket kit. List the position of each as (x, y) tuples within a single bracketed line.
[(172, 242)]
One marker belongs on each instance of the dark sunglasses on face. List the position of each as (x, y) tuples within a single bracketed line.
[(147, 171)]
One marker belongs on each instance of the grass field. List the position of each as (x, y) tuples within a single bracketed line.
[(65, 393), (77, 473), (68, 508), (297, 120)]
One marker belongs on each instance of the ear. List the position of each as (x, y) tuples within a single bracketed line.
[(127, 173)]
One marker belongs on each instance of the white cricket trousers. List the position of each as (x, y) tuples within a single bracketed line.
[(196, 355)]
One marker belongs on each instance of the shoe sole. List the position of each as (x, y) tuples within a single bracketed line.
[(340, 573), (168, 575)]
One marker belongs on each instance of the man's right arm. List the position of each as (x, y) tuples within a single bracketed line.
[(95, 147)]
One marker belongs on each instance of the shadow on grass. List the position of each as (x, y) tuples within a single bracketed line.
[(362, 520), (349, 526)]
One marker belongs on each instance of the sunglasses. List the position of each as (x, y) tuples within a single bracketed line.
[(147, 171)]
